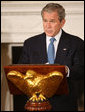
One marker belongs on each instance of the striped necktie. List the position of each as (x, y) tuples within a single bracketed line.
[(51, 51)]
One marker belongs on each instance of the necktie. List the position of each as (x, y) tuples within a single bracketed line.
[(51, 51)]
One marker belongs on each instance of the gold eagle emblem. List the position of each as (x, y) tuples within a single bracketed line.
[(37, 86)]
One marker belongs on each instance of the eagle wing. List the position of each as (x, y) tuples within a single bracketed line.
[(20, 81), (50, 83)]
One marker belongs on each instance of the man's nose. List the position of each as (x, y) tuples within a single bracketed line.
[(48, 25)]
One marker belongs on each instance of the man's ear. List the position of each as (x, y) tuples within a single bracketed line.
[(63, 22)]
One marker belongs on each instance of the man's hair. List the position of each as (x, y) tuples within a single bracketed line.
[(51, 7)]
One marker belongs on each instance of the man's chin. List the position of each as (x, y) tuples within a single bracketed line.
[(50, 35)]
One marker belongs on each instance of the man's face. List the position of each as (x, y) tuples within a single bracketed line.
[(51, 23)]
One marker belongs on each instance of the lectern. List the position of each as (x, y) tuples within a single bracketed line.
[(37, 81)]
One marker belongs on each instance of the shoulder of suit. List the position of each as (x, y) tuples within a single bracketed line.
[(71, 37), (36, 37)]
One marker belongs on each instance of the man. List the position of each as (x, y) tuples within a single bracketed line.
[(68, 49)]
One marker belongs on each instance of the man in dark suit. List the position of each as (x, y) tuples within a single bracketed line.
[(69, 51)]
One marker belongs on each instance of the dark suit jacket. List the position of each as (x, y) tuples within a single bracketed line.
[(70, 52)]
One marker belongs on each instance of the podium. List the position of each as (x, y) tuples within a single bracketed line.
[(41, 69)]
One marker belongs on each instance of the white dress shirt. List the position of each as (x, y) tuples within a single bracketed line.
[(56, 42)]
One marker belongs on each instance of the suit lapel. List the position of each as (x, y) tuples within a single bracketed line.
[(42, 49), (63, 49)]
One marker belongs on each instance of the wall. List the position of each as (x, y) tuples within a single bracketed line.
[(21, 20)]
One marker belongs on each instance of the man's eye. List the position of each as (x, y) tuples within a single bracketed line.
[(45, 20), (52, 21)]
